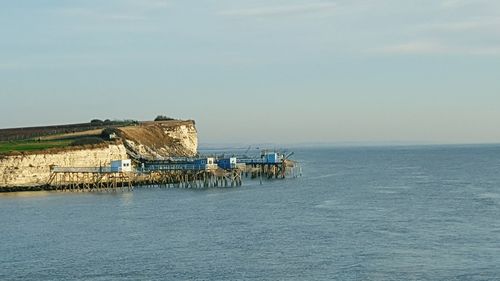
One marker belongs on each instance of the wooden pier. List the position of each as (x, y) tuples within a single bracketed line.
[(90, 179), (96, 179), (188, 176), (192, 174), (255, 169)]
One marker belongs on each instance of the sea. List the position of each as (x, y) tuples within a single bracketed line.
[(357, 213)]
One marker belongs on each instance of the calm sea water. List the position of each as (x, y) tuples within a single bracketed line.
[(400, 213)]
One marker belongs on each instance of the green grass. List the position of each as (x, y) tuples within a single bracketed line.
[(32, 145)]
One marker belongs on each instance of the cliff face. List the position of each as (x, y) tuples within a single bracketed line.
[(154, 140), (34, 169), (150, 140)]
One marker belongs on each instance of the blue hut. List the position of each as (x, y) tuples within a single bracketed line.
[(271, 158), (227, 163)]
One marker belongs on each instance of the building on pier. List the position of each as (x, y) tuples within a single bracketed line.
[(227, 163), (200, 172), (121, 165), (208, 163), (272, 157)]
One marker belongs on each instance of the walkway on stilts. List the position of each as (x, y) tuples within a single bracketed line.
[(170, 174)]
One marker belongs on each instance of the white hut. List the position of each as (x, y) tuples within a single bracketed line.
[(121, 165)]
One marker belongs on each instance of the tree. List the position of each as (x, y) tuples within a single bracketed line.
[(96, 122)]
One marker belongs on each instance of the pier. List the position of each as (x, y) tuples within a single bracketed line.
[(192, 173), (90, 179)]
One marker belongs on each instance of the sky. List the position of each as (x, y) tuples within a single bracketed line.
[(253, 71)]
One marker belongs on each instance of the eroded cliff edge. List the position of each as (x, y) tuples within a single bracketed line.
[(149, 140), (156, 140)]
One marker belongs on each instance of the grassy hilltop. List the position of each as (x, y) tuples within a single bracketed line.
[(29, 139), (32, 145)]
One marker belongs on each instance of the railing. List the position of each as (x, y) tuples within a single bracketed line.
[(159, 166), (257, 161), (177, 167), (83, 170), (147, 169)]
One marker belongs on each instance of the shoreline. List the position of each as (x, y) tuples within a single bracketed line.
[(26, 188)]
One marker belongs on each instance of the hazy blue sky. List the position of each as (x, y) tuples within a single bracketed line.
[(253, 71)]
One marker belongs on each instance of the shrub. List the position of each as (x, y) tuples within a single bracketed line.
[(87, 141), (109, 133), (163, 118)]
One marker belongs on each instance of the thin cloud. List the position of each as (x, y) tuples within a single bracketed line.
[(479, 24), (281, 10), (415, 48), (150, 4), (493, 51), (99, 15), (450, 4), (479, 8), (436, 48), (131, 10), (454, 26)]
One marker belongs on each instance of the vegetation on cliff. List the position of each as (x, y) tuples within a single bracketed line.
[(163, 118), (32, 145), (26, 133), (159, 138)]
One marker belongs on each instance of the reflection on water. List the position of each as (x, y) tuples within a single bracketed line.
[(127, 197), (25, 194)]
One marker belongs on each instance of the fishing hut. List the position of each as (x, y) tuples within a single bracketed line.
[(195, 173), (271, 165), (121, 165)]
